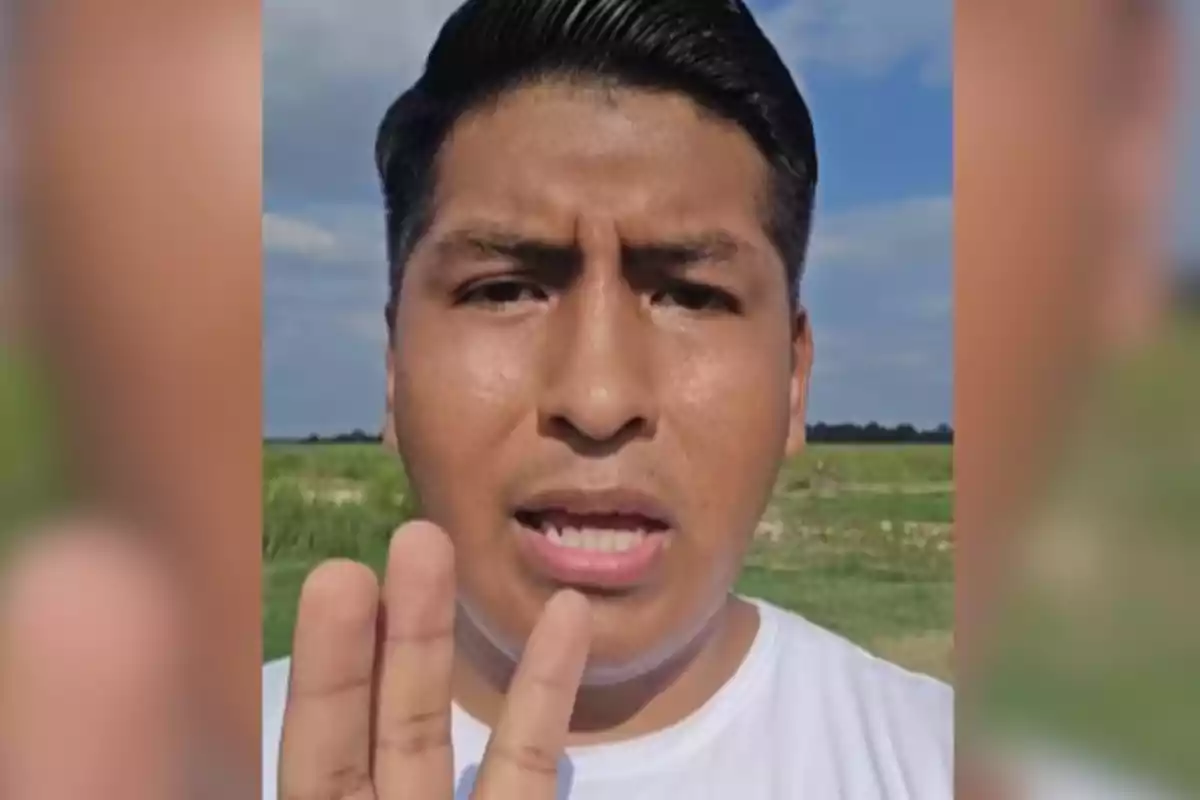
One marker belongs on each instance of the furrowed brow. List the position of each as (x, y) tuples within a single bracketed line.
[(497, 243), (681, 253)]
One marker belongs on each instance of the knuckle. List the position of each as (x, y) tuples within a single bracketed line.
[(351, 783), (343, 784), (553, 683), (301, 691), (529, 758), (414, 733), (423, 636)]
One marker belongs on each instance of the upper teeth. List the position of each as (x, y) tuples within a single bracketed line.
[(604, 540)]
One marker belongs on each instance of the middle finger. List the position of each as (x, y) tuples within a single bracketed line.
[(413, 753)]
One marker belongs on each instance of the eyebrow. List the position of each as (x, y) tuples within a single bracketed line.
[(670, 253), (680, 253), (495, 242)]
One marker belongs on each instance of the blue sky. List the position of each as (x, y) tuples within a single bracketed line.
[(876, 74)]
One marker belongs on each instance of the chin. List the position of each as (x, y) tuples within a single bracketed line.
[(614, 659), (600, 674)]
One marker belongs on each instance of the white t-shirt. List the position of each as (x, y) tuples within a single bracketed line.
[(807, 715)]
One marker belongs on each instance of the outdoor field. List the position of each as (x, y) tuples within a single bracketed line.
[(857, 538)]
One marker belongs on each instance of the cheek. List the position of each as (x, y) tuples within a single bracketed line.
[(458, 396), (729, 409), (735, 392)]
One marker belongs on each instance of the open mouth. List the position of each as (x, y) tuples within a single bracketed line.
[(594, 540), (598, 531)]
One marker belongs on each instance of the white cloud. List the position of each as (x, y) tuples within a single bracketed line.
[(349, 236), (865, 37), (385, 40), (294, 236), (915, 231), (329, 72)]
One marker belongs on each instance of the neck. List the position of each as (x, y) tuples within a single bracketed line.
[(652, 701)]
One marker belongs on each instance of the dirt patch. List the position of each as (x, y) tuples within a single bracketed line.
[(333, 492), (769, 529), (337, 495)]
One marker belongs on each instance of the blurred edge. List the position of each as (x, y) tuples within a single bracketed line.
[(130, 378), (1078, 448)]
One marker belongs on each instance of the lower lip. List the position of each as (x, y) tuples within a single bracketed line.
[(575, 566)]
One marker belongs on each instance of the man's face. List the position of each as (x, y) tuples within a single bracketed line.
[(595, 373)]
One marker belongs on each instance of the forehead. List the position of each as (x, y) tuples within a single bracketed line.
[(552, 154)]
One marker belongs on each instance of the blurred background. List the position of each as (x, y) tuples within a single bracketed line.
[(1077, 197), (132, 403)]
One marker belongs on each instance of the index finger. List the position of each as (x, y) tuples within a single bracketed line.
[(522, 756)]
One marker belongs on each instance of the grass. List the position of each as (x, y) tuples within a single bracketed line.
[(33, 480), (856, 538)]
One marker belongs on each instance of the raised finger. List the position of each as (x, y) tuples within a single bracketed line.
[(325, 749), (413, 752), (523, 754)]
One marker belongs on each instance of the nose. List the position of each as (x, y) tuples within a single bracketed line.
[(600, 389)]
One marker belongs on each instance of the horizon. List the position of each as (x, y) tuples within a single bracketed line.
[(363, 434)]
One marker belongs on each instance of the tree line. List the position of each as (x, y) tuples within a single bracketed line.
[(818, 433)]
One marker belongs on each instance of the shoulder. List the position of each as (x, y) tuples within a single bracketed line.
[(801, 642), (854, 701)]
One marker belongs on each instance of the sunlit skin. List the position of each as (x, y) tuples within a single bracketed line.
[(596, 303)]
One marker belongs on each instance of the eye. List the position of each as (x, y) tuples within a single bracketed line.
[(499, 293), (696, 297)]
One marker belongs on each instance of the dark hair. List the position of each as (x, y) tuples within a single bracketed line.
[(710, 50)]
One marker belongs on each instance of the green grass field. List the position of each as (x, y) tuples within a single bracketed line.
[(857, 538)]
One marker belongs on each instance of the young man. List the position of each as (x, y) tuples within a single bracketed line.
[(598, 212)]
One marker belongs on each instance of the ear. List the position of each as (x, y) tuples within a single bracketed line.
[(802, 359), (389, 416)]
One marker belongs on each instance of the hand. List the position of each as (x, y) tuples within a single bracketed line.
[(368, 709), (90, 684)]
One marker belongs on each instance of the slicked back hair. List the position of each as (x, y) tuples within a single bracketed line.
[(711, 51)]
